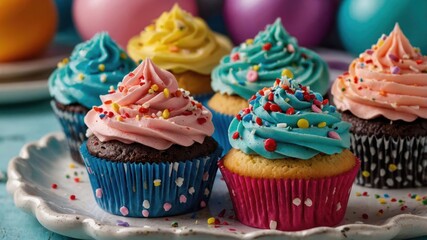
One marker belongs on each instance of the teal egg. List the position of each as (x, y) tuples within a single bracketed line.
[(361, 22)]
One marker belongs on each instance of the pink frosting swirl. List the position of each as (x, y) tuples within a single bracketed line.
[(389, 80), (148, 108)]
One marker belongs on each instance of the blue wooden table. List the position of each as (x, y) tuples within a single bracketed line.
[(20, 124)]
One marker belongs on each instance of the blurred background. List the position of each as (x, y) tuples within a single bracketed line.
[(35, 35), (336, 28)]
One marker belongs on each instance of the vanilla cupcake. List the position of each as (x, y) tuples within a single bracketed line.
[(256, 64), (290, 168), (183, 45)]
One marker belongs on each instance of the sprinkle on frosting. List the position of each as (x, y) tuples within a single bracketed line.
[(93, 66), (179, 42), (274, 52), (289, 120), (387, 80), (165, 116)]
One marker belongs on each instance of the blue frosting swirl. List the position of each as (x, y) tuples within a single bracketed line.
[(272, 51), (289, 120), (93, 67)]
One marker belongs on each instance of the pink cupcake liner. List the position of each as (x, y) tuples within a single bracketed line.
[(289, 204)]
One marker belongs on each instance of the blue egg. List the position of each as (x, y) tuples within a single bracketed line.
[(361, 22)]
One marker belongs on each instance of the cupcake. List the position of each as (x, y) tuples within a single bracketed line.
[(149, 152), (290, 168), (256, 64), (76, 84), (384, 96), (183, 45)]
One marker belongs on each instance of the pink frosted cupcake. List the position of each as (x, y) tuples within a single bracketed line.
[(150, 152), (384, 96)]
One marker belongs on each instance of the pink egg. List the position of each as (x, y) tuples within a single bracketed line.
[(121, 19), (308, 20)]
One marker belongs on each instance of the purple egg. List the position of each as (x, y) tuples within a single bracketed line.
[(308, 20)]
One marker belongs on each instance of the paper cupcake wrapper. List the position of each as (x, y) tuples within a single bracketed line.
[(202, 98), (74, 128), (289, 204), (221, 123), (391, 162), (151, 189)]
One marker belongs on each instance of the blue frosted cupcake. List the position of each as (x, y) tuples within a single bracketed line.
[(76, 84), (290, 168), (256, 64), (149, 152)]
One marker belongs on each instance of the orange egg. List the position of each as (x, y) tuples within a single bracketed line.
[(26, 28)]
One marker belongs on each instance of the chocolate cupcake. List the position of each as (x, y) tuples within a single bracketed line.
[(150, 153), (383, 95), (76, 84)]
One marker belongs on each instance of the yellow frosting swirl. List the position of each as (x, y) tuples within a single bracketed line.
[(179, 42)]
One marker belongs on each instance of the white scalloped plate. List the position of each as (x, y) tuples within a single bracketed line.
[(45, 162)]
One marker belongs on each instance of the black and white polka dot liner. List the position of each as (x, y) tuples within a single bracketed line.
[(391, 162), (74, 128)]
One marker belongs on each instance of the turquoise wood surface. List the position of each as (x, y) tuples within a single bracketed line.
[(20, 124)]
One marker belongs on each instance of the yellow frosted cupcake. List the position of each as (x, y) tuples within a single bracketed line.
[(184, 45), (290, 168)]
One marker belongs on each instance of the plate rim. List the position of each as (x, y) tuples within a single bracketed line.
[(36, 89), (47, 60), (81, 226), (37, 82)]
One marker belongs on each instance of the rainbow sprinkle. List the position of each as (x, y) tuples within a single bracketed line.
[(211, 221), (122, 223)]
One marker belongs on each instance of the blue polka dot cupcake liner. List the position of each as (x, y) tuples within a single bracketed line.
[(389, 162), (151, 189), (74, 128), (202, 98)]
